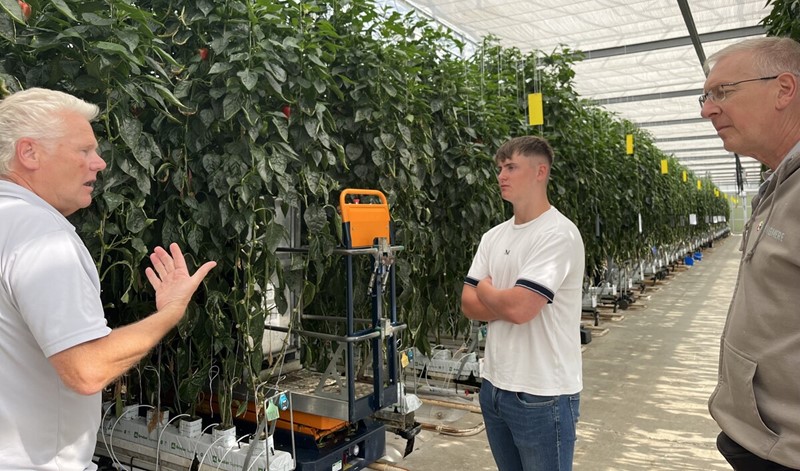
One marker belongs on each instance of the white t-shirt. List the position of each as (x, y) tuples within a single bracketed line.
[(49, 302), (546, 255)]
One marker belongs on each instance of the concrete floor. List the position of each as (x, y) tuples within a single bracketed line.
[(646, 385)]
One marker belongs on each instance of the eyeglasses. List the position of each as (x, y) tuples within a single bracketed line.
[(717, 94)]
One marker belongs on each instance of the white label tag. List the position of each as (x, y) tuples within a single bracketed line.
[(337, 466)]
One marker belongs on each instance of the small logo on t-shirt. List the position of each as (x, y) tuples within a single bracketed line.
[(508, 251)]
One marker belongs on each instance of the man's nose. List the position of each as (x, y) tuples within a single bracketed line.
[(98, 163), (709, 109)]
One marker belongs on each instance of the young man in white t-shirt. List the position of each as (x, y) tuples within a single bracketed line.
[(526, 282)]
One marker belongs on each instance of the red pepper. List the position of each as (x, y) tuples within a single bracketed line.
[(26, 9)]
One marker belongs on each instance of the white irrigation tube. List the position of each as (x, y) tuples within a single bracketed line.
[(158, 447)]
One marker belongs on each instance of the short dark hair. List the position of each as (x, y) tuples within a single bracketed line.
[(528, 146)]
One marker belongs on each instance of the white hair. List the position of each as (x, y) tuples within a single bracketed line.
[(37, 113), (770, 55)]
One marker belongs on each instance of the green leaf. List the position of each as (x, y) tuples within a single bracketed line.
[(277, 72), (273, 236), (280, 124), (112, 200), (378, 158), (219, 67), (405, 132), (249, 78), (205, 6), (390, 90), (315, 219), (195, 239), (312, 127), (129, 38), (166, 93), (362, 114), (260, 158), (118, 50), (278, 162), (6, 24), (130, 130), (135, 220), (231, 105), (388, 140), (139, 246), (7, 31), (276, 86), (96, 20), (354, 151)]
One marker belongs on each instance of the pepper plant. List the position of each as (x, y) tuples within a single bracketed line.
[(219, 119), (783, 19)]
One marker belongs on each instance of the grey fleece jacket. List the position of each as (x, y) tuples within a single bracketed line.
[(757, 399)]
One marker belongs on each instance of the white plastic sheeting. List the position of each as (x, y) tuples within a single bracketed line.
[(636, 52)]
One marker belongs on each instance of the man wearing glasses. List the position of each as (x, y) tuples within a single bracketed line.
[(752, 97)]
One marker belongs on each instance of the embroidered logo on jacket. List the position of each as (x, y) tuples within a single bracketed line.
[(775, 234)]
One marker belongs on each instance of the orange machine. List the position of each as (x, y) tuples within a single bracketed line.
[(364, 222)]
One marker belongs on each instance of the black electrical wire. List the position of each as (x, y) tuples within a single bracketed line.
[(739, 174)]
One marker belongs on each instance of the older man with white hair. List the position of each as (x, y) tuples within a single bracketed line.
[(55, 347)]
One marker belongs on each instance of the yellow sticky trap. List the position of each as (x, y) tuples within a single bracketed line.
[(685, 177), (716, 192), (404, 360), (664, 167), (629, 144), (699, 185), (535, 109)]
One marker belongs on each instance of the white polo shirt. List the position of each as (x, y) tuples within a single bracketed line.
[(49, 302)]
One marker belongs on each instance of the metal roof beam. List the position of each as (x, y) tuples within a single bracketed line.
[(648, 96), (695, 167), (715, 164), (728, 157), (701, 167), (685, 138), (673, 42), (692, 149), (712, 165), (688, 19), (670, 122)]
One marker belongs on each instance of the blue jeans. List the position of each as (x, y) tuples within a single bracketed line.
[(527, 432)]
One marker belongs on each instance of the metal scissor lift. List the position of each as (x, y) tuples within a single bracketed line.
[(333, 410)]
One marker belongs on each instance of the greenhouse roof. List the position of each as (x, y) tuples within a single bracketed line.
[(642, 59)]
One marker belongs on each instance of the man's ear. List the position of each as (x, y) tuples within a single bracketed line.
[(788, 91), (27, 154), (542, 171)]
